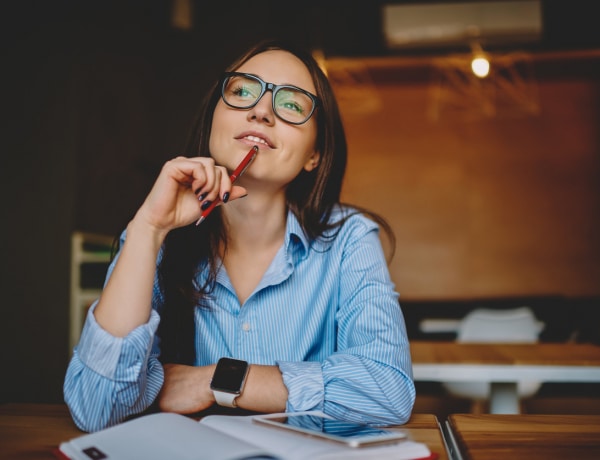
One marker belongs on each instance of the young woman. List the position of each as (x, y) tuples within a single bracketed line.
[(281, 278)]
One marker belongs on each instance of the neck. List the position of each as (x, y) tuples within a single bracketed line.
[(256, 221)]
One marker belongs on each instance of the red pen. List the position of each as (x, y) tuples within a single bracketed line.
[(241, 168)]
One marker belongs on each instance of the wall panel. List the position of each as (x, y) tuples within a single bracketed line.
[(503, 205)]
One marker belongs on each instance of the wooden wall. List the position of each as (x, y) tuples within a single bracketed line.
[(481, 205)]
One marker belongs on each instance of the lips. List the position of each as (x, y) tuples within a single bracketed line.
[(257, 138)]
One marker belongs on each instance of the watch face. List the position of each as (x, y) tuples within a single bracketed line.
[(229, 375)]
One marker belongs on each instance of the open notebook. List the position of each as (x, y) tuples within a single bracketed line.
[(218, 437)]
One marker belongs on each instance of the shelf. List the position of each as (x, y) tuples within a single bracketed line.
[(86, 248)]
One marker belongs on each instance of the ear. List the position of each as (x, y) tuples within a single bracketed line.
[(312, 162)]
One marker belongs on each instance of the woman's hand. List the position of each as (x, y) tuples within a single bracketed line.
[(186, 389), (180, 189)]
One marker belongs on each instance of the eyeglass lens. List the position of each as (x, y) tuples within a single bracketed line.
[(289, 103)]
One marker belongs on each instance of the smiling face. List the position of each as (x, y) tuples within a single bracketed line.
[(285, 149)]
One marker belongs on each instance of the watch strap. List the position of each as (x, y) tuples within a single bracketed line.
[(225, 399)]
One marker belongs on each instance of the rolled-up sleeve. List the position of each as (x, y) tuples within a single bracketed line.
[(304, 382), (110, 378)]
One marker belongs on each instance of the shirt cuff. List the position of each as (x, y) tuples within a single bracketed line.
[(104, 353), (304, 382)]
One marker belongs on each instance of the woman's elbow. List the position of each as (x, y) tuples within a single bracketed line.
[(402, 404)]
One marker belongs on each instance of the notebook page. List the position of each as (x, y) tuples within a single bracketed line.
[(159, 437)]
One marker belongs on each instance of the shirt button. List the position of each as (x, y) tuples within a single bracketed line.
[(246, 327)]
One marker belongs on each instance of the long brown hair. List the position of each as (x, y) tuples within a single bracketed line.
[(311, 196)]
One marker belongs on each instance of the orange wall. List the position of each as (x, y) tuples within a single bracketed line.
[(503, 205)]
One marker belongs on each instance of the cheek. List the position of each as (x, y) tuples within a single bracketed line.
[(300, 147), (219, 122), (218, 117)]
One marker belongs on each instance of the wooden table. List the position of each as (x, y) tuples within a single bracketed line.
[(31, 431), (505, 365), (530, 437)]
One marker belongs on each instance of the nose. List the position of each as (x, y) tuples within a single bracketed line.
[(263, 110)]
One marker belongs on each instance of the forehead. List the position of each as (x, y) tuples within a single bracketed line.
[(279, 67)]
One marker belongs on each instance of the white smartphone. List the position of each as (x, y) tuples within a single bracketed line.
[(322, 426)]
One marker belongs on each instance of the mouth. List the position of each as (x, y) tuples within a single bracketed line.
[(257, 139)]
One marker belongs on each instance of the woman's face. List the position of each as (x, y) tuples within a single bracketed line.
[(284, 149)]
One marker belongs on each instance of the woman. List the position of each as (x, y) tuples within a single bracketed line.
[(287, 281)]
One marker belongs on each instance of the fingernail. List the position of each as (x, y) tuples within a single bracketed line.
[(225, 197), (205, 205), (197, 190), (201, 197)]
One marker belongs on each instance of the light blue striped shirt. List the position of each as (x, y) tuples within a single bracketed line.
[(326, 313)]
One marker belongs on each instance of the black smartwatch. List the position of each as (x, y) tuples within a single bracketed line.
[(228, 381)]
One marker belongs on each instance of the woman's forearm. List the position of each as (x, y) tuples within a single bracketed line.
[(126, 300)]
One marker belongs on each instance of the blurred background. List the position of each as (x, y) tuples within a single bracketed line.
[(491, 184)]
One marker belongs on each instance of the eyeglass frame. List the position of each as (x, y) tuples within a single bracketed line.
[(264, 87)]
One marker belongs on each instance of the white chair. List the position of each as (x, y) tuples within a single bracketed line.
[(517, 325)]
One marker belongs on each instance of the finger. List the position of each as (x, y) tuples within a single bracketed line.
[(186, 171), (236, 193), (212, 187), (225, 185), (204, 177)]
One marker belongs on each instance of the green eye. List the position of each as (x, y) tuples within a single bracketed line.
[(245, 92), (242, 92), (243, 89), (292, 102), (293, 106)]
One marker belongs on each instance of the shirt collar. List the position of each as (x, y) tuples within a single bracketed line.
[(295, 238)]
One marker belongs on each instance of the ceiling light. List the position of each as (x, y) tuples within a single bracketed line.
[(480, 66)]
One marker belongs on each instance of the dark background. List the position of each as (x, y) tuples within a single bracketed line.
[(96, 96)]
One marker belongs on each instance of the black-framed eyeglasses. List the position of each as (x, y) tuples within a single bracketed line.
[(290, 103)]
